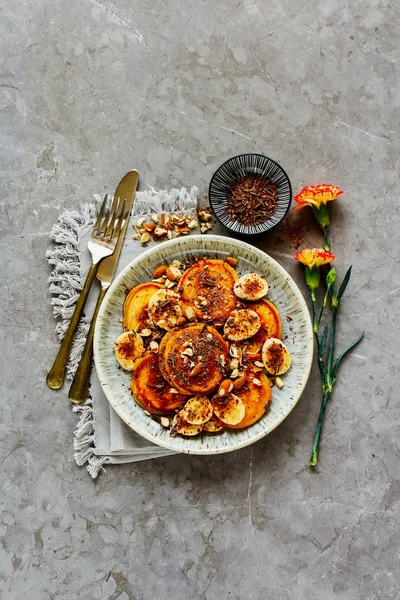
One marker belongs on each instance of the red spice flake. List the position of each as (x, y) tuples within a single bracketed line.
[(275, 353), (292, 234), (126, 349), (252, 200), (252, 287)]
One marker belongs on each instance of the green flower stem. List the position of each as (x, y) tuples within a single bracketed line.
[(328, 289), (329, 367), (313, 311), (315, 325), (327, 245), (315, 447)]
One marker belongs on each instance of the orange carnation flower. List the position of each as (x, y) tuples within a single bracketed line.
[(314, 257), (315, 195)]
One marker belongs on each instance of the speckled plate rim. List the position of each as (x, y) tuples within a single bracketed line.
[(107, 316)]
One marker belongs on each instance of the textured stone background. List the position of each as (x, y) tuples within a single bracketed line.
[(91, 89)]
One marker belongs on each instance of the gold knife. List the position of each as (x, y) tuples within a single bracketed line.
[(79, 389)]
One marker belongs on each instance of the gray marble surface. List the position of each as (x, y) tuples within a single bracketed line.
[(91, 89)]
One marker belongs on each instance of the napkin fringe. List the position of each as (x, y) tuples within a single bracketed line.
[(65, 285)]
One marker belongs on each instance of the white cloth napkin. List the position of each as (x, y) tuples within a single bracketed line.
[(101, 436)]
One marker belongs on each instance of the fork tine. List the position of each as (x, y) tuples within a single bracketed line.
[(101, 215), (113, 216), (120, 221), (108, 219)]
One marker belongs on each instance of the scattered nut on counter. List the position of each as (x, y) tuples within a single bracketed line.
[(169, 226)]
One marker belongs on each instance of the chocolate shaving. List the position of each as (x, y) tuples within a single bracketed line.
[(252, 200)]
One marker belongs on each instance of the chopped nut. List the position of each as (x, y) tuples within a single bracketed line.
[(173, 273), (144, 333), (172, 321), (181, 320), (173, 391), (160, 280), (186, 344), (149, 227), (144, 238), (140, 222), (159, 271), (192, 224), (146, 412), (231, 261), (176, 263), (258, 363), (204, 215), (279, 382), (168, 221), (162, 323), (136, 236), (209, 336), (169, 234), (233, 351), (165, 422), (225, 388), (257, 382), (234, 364), (188, 351), (204, 303), (169, 284), (190, 314), (203, 228), (162, 220), (159, 232), (235, 373), (154, 346), (154, 218), (196, 370), (239, 382), (210, 225), (184, 230)]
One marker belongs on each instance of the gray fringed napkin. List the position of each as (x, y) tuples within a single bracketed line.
[(101, 436)]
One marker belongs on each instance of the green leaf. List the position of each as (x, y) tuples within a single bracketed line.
[(339, 358), (344, 284), (324, 339)]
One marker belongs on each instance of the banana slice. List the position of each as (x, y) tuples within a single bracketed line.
[(164, 309), (251, 287), (179, 425), (128, 349), (197, 410), (212, 427), (242, 324), (229, 409), (276, 357)]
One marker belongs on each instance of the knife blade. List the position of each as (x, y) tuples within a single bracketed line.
[(79, 389)]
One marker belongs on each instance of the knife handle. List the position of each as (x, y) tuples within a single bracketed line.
[(79, 390), (56, 375)]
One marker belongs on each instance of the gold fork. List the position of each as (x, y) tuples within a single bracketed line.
[(102, 243)]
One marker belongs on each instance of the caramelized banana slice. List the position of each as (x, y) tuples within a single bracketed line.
[(229, 409), (251, 287), (128, 349), (197, 410), (212, 427), (179, 425), (242, 324), (276, 357), (164, 309)]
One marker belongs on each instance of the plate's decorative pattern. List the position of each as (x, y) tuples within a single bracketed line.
[(282, 291)]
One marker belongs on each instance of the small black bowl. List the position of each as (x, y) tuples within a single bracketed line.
[(240, 166)]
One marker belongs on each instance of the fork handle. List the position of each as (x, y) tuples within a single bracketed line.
[(79, 390), (56, 375)]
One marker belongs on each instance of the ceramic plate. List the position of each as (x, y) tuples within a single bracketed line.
[(282, 291)]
